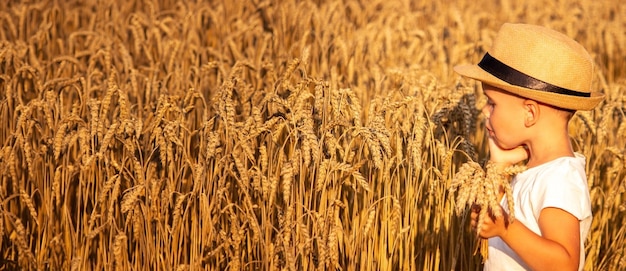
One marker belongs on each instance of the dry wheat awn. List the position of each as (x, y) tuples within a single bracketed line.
[(476, 187)]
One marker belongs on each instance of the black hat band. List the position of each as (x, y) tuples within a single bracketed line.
[(514, 77)]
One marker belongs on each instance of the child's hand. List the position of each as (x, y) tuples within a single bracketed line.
[(506, 157), (491, 225)]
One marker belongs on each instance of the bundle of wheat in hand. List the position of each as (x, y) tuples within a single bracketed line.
[(484, 188)]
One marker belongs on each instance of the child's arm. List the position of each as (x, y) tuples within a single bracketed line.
[(557, 249)]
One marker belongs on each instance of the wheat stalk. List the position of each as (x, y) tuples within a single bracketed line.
[(482, 188)]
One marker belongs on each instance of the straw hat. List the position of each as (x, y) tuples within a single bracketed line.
[(538, 63)]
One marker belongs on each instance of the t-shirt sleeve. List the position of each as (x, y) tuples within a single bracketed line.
[(565, 188)]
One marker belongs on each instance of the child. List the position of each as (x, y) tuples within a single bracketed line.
[(535, 79)]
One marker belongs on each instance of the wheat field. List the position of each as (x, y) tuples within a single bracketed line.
[(270, 135)]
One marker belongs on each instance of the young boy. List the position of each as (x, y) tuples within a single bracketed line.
[(535, 79)]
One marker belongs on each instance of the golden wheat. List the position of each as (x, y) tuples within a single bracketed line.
[(269, 135)]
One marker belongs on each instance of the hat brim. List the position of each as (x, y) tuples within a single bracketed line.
[(554, 99)]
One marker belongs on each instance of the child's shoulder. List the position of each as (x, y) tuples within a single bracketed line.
[(562, 169), (565, 163)]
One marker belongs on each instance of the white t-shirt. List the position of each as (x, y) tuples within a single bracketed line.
[(560, 183)]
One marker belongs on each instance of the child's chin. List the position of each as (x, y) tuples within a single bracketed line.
[(505, 146)]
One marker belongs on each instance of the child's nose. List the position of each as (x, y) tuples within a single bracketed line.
[(486, 111)]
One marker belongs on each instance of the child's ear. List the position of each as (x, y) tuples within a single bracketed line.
[(532, 112)]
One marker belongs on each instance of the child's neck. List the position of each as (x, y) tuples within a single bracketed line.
[(548, 149)]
